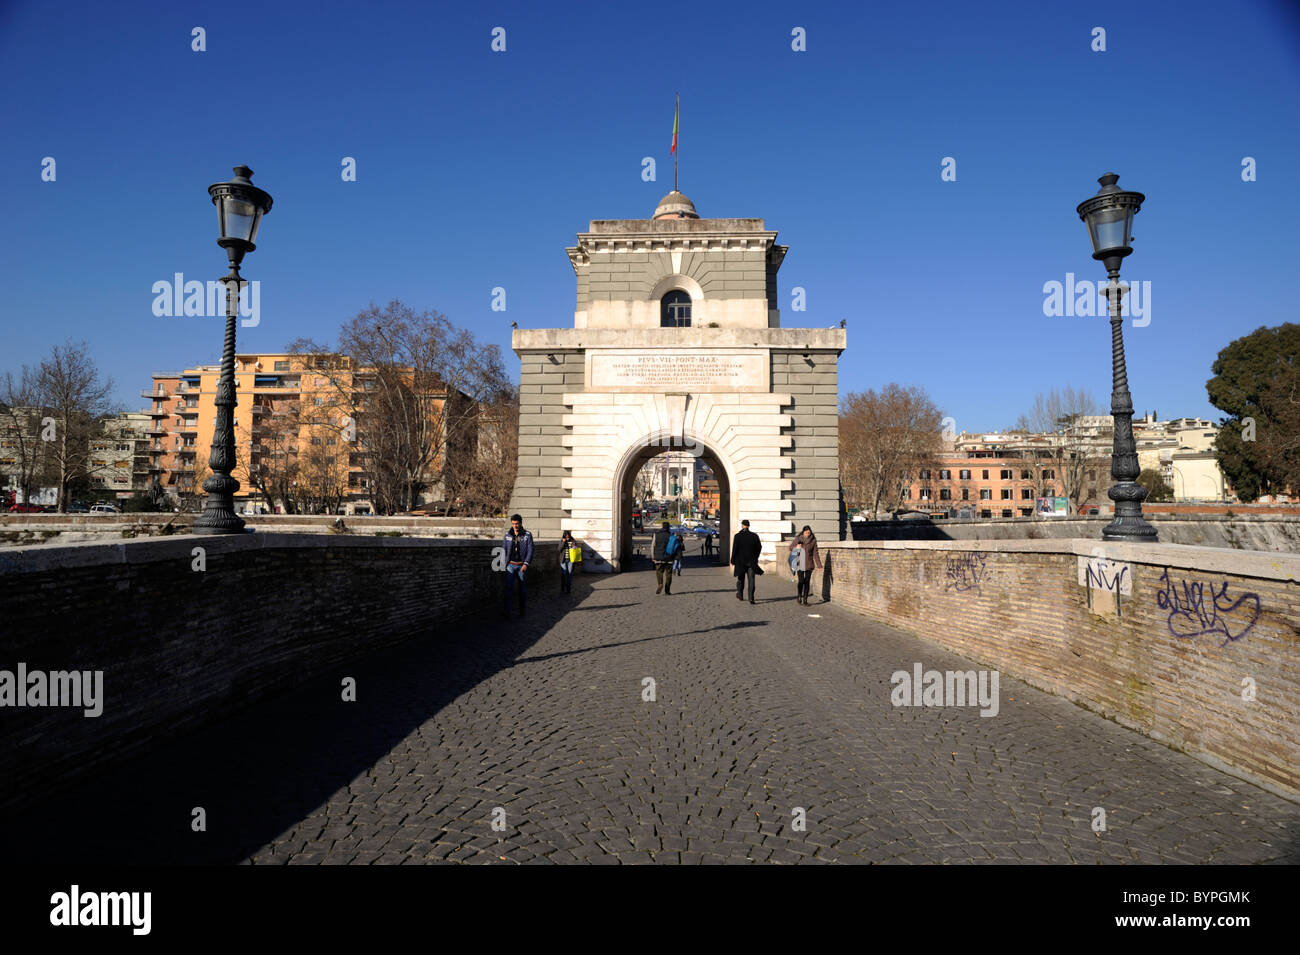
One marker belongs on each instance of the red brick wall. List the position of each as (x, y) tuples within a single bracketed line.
[(1018, 606)]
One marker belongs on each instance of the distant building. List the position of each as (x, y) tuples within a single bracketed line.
[(292, 423), (1000, 474), (119, 459)]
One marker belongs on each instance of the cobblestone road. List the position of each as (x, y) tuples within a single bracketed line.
[(758, 710)]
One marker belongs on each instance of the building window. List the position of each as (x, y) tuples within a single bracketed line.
[(925, 474), (1006, 512), (1048, 473), (281, 366), (965, 494), (945, 494), (675, 310), (986, 474), (1026, 512), (1026, 493), (1006, 494), (964, 474), (925, 494), (986, 513), (986, 494), (1026, 474), (1006, 474), (945, 474)]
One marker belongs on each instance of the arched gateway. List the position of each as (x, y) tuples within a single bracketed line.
[(677, 345)]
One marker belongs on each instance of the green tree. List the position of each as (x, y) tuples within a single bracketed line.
[(1257, 384), (1157, 490)]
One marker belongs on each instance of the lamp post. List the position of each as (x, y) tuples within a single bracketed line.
[(240, 207), (1109, 218)]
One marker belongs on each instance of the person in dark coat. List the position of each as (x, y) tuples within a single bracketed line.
[(808, 561), (663, 560), (746, 548), (518, 546)]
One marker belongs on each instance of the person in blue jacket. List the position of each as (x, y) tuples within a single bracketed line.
[(518, 546)]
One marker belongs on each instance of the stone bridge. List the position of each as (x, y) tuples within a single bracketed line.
[(612, 725)]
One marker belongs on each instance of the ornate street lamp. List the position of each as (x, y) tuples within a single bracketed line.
[(240, 207), (1109, 217)]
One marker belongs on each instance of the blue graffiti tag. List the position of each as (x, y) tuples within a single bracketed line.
[(964, 573), (1192, 614)]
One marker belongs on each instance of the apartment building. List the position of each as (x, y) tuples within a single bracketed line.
[(294, 423), (119, 458), (1001, 474)]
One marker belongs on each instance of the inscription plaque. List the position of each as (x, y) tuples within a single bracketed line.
[(697, 371)]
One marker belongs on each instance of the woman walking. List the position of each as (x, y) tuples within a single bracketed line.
[(570, 554), (805, 561)]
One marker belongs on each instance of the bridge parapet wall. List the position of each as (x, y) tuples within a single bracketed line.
[(1197, 647), (180, 646)]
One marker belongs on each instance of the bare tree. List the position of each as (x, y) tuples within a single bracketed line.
[(21, 429), (1055, 429), (78, 399), (884, 438), (415, 391), (486, 479), (322, 483), (273, 470)]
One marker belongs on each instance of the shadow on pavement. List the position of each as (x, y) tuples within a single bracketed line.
[(259, 772)]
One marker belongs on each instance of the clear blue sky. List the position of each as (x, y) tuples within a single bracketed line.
[(476, 169)]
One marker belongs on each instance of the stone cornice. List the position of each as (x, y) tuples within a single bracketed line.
[(589, 242), (578, 339)]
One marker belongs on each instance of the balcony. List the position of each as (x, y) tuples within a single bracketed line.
[(154, 394)]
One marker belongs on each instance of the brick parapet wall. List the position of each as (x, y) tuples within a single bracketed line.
[(181, 647), (1243, 531), (1018, 606)]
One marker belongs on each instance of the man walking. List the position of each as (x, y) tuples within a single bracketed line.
[(518, 545), (663, 559), (745, 551)]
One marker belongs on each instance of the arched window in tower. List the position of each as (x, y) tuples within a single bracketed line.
[(675, 310)]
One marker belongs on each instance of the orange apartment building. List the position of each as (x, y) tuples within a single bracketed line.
[(988, 483), (274, 391)]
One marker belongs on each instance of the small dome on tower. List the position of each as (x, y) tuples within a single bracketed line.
[(675, 206)]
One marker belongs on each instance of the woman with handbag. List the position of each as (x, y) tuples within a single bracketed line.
[(804, 559), (570, 555)]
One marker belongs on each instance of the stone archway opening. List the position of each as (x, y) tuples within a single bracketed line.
[(625, 494)]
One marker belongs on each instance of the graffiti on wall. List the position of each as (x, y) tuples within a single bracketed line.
[(1196, 607), (1112, 576), (965, 572)]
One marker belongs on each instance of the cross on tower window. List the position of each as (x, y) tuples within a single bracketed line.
[(675, 310)]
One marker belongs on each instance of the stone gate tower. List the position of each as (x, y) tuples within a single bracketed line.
[(677, 344)]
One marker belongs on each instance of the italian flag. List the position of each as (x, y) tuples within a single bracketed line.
[(676, 116)]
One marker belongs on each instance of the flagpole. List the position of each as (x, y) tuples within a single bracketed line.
[(676, 127)]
